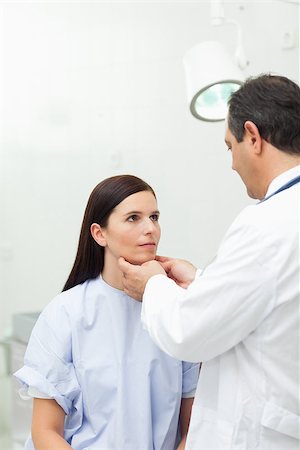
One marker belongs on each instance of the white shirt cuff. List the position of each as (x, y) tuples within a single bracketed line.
[(27, 393)]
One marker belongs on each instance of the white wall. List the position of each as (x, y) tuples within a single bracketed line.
[(93, 89)]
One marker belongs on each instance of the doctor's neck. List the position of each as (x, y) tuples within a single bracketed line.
[(271, 163)]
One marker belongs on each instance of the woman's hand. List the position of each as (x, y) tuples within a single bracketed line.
[(182, 443)]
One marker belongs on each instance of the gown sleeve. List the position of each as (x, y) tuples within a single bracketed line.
[(48, 366), (190, 375)]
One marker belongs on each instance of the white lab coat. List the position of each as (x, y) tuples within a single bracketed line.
[(240, 317)]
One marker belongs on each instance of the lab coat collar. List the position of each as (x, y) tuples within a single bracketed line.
[(282, 179)]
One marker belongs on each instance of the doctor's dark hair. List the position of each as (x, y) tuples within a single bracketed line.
[(104, 198), (272, 102)]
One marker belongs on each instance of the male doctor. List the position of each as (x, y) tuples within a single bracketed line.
[(240, 316)]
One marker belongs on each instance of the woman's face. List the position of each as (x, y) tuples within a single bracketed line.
[(133, 230)]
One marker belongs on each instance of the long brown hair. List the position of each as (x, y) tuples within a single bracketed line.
[(104, 198)]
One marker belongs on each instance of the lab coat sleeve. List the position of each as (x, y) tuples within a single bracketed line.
[(221, 307), (48, 366)]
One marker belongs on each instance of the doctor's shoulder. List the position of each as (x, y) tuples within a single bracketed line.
[(260, 218)]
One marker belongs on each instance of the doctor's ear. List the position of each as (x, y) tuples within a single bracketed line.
[(98, 234), (253, 135)]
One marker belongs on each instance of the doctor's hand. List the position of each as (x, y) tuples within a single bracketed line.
[(179, 270), (136, 277)]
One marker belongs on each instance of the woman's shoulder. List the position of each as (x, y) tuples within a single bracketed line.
[(71, 301)]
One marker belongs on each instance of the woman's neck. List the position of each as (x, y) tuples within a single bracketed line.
[(111, 273)]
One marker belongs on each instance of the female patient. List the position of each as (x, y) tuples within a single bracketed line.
[(97, 380)]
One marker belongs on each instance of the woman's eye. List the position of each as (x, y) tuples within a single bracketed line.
[(132, 218), (154, 217)]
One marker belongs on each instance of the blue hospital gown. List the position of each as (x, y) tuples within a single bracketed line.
[(89, 352)]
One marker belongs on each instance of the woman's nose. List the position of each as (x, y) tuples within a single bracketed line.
[(149, 226)]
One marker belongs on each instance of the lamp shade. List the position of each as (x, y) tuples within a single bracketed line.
[(211, 77)]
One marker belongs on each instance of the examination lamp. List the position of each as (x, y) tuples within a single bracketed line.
[(211, 77)]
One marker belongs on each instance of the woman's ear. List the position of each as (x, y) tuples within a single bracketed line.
[(253, 136), (98, 234)]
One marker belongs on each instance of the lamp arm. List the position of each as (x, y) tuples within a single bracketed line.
[(217, 18), (240, 56)]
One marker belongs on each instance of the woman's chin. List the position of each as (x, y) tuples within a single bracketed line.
[(141, 260)]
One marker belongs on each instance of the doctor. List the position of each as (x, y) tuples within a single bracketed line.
[(240, 316)]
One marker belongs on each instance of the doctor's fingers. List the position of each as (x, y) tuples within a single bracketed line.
[(125, 266), (163, 259), (167, 266), (130, 274), (135, 295), (130, 290)]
